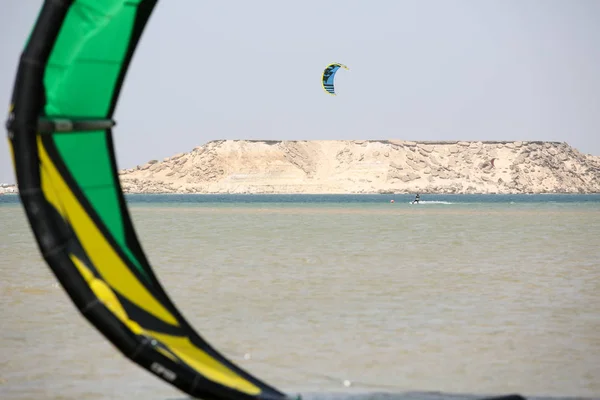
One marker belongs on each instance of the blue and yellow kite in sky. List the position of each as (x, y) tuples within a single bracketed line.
[(329, 75)]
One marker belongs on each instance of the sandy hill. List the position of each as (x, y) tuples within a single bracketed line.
[(369, 166)]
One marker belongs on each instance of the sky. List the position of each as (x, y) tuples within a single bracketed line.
[(419, 70)]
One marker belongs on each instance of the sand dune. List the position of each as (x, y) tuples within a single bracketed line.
[(369, 166)]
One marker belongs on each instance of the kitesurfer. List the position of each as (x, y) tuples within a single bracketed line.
[(417, 199)]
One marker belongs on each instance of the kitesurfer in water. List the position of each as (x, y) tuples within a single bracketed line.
[(417, 199)]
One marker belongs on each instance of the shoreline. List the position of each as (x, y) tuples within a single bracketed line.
[(362, 194), (128, 193)]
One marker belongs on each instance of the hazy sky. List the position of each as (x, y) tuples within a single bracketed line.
[(419, 70)]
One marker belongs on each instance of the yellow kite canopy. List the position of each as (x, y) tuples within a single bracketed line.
[(60, 129)]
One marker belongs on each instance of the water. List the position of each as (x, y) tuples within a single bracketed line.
[(460, 294)]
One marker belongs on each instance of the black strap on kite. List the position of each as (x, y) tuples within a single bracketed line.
[(51, 125)]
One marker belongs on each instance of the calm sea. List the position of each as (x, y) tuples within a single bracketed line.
[(461, 294)]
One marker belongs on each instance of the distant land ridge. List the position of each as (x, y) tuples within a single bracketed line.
[(369, 166)]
